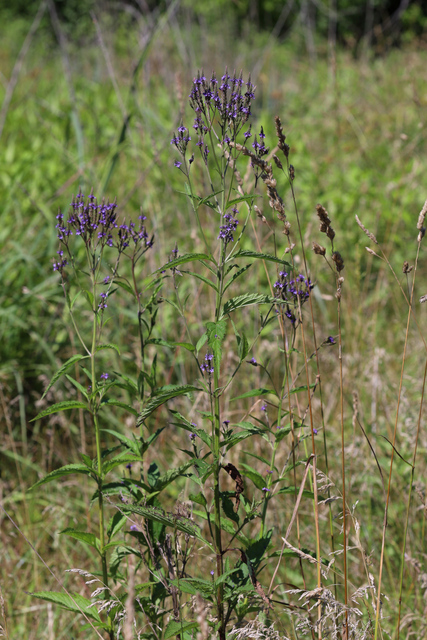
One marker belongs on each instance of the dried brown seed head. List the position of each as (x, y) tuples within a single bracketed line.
[(330, 233), (406, 268), (339, 262), (318, 249), (279, 165), (323, 215)]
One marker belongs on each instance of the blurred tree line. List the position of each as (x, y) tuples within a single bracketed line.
[(348, 22)]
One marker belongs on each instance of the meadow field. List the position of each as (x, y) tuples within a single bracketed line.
[(213, 331)]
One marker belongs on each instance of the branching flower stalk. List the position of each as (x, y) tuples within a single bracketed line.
[(421, 232)]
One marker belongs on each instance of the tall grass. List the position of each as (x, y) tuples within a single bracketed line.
[(351, 442)]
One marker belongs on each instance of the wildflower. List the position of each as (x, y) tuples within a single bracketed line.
[(177, 163), (133, 527), (226, 230), (193, 437), (253, 362), (105, 376), (264, 407), (207, 365), (330, 340), (265, 490)]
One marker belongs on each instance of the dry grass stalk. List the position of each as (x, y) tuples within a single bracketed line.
[(422, 217), (365, 230)]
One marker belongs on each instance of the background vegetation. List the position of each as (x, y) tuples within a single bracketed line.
[(91, 95)]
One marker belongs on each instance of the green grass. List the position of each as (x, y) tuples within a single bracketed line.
[(358, 144)]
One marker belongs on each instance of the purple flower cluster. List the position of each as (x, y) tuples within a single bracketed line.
[(227, 101), (181, 141), (207, 365), (291, 290), (226, 230), (96, 224)]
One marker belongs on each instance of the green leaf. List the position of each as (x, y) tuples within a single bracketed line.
[(294, 491), (171, 344), (194, 586), (187, 257), (198, 498), (248, 299), (216, 333), (256, 392), (168, 477), (69, 363), (84, 536), (244, 253), (75, 602), (116, 523), (117, 403), (247, 471), (78, 386), (125, 286), (60, 406), (235, 201), (202, 278), (201, 341), (168, 520), (163, 395), (123, 458), (281, 433), (128, 442), (63, 471), (110, 345), (176, 628)]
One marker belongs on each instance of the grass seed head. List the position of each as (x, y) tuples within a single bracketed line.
[(368, 233)]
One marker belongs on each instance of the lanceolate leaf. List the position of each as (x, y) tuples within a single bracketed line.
[(60, 406), (216, 332), (84, 536), (74, 602), (63, 369), (169, 520), (164, 394), (248, 299), (237, 275), (63, 471), (170, 344), (202, 278), (187, 257), (256, 392), (244, 253), (108, 346), (117, 403)]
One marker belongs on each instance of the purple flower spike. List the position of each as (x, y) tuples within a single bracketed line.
[(105, 376)]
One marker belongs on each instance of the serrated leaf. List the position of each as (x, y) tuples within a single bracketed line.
[(246, 300), (163, 395), (176, 628), (244, 253), (235, 201), (216, 332), (84, 536), (170, 476), (187, 257), (168, 520), (262, 391), (194, 586), (110, 345), (117, 403), (74, 602), (69, 363), (63, 471), (60, 406), (123, 458)]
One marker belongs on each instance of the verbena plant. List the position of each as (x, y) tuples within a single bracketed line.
[(213, 565)]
